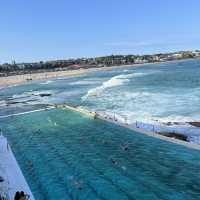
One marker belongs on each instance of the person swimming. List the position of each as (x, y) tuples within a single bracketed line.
[(78, 185), (113, 161), (29, 163), (105, 142), (125, 147), (38, 131)]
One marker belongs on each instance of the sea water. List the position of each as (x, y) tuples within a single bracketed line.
[(66, 155), (150, 94)]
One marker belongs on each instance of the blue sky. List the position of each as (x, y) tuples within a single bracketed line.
[(33, 30)]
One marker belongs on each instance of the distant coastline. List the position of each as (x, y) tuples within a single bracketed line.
[(14, 80), (15, 68)]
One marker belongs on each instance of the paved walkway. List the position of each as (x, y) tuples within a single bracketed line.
[(12, 175)]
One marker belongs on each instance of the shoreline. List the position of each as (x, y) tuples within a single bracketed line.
[(16, 80)]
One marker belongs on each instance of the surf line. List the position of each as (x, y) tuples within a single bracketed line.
[(24, 113)]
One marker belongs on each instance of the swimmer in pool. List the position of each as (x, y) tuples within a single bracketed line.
[(106, 141), (113, 161), (78, 185), (125, 147), (30, 163), (38, 131)]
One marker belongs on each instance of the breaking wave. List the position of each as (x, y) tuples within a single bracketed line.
[(29, 98), (47, 82), (84, 82), (113, 82), (2, 103)]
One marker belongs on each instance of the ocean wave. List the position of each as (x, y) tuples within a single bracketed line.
[(32, 93), (30, 98), (3, 103), (141, 106), (19, 96), (84, 82), (47, 82), (113, 82), (131, 116), (177, 118)]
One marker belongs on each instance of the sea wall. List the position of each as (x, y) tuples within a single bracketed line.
[(77, 109), (147, 129), (150, 132)]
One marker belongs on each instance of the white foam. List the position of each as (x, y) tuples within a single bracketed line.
[(175, 118), (84, 82), (25, 94), (149, 106), (47, 82), (192, 133), (126, 70), (31, 98), (3, 103), (24, 113), (113, 82), (152, 110)]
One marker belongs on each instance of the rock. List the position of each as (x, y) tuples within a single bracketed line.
[(174, 135), (45, 95), (197, 124)]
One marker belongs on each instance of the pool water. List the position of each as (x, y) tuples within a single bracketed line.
[(66, 155)]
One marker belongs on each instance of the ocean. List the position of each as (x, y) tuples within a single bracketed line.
[(67, 155), (150, 94)]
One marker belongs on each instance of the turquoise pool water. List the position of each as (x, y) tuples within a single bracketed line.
[(65, 155)]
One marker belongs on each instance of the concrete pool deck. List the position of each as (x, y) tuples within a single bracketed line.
[(11, 172)]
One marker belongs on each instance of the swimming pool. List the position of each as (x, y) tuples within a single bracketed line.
[(65, 155)]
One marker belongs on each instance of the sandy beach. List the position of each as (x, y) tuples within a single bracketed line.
[(22, 79), (27, 78)]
